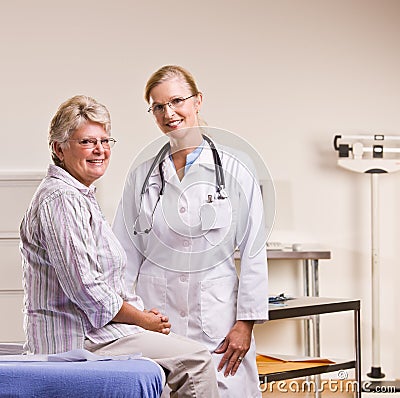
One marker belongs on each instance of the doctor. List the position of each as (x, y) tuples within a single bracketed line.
[(181, 217)]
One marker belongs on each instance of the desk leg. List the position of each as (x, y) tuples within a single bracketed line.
[(316, 318), (357, 334), (311, 288), (307, 322), (312, 327), (315, 277)]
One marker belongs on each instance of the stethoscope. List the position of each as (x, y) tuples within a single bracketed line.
[(158, 160)]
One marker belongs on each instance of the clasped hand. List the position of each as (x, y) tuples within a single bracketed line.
[(156, 322)]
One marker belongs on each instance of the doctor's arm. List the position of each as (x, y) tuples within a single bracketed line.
[(252, 300)]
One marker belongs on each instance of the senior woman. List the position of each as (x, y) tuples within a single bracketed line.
[(181, 229), (73, 265)]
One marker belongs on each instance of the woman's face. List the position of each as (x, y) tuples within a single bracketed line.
[(85, 164), (184, 116)]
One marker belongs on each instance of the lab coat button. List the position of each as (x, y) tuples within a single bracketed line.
[(186, 243), (183, 278), (182, 209), (183, 314)]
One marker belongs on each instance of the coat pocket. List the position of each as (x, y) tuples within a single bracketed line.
[(153, 291), (218, 306), (223, 229)]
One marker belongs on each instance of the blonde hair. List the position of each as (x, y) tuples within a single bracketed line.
[(71, 115), (168, 72)]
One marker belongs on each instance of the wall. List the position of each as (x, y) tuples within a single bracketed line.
[(285, 75)]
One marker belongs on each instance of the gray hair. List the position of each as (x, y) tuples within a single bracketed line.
[(71, 115)]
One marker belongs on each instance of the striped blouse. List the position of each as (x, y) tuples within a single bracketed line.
[(73, 269)]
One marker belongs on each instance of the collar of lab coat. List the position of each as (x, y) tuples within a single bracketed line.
[(205, 160)]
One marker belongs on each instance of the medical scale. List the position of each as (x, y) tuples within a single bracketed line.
[(372, 154)]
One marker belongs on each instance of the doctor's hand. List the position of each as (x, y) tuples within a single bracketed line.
[(235, 346)]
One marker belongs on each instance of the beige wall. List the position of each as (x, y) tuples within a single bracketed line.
[(285, 75)]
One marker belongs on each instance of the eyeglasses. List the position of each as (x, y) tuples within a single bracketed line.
[(90, 143), (158, 109)]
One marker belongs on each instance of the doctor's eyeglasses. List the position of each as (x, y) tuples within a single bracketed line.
[(90, 143), (175, 103)]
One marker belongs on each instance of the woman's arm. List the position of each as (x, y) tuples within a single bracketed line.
[(68, 233), (150, 320)]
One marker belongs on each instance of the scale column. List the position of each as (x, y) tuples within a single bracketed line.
[(376, 372)]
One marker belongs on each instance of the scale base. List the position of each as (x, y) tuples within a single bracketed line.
[(376, 373), (381, 386)]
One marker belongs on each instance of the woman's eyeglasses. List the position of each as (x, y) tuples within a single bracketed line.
[(90, 143), (158, 109)]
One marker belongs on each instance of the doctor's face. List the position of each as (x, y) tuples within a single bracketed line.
[(172, 108)]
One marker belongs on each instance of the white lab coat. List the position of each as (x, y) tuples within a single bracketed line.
[(185, 266)]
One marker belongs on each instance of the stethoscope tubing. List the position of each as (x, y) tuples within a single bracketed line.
[(158, 162)]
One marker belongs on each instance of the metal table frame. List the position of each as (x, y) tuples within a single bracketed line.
[(310, 260), (313, 306)]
